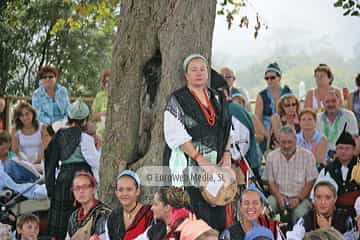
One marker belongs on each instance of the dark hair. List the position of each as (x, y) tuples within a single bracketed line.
[(326, 184), (5, 137), (48, 69), (25, 218), (274, 67), (104, 75), (18, 112), (357, 79), (77, 122), (50, 130), (307, 110), (208, 233), (322, 67), (174, 196)]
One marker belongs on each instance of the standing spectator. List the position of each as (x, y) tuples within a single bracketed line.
[(100, 103), (50, 100), (2, 108), (266, 100), (310, 138), (196, 129), (315, 97), (88, 221), (26, 136), (291, 173), (69, 151), (334, 119), (354, 99)]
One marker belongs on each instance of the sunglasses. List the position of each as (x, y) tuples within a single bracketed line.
[(228, 76), (272, 78), (48, 77), (290, 105)]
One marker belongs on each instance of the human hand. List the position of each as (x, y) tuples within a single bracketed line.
[(225, 160), (323, 221), (281, 200), (95, 237), (205, 164)]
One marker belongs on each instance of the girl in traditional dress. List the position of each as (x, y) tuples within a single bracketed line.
[(132, 218), (87, 222)]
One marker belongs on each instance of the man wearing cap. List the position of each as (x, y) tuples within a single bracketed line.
[(324, 213), (341, 169), (70, 150), (291, 173), (334, 119)]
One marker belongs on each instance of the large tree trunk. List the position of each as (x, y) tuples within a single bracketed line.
[(175, 28)]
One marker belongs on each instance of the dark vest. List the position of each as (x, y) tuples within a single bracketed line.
[(267, 111)]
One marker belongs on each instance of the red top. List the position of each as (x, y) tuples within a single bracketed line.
[(141, 222)]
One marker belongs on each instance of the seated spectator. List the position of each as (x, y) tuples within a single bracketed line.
[(27, 227), (266, 100), (2, 108), (332, 121), (28, 190), (50, 100), (166, 201), (354, 100), (310, 138), (341, 171), (291, 173), (324, 214), (47, 132), (99, 105), (26, 136), (357, 218), (89, 220), (287, 113), (251, 209), (132, 218), (229, 75), (315, 98)]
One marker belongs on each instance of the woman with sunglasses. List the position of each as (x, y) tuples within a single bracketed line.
[(50, 100), (87, 222), (287, 113), (266, 100), (315, 97), (132, 218)]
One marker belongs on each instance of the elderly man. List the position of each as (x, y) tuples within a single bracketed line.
[(341, 171), (324, 213), (291, 173), (229, 75), (331, 122)]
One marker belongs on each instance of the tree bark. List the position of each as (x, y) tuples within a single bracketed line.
[(134, 125)]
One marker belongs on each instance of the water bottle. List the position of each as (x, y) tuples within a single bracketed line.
[(302, 90)]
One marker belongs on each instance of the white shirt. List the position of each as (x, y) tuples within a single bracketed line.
[(240, 139), (90, 153)]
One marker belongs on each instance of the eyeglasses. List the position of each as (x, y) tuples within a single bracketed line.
[(290, 105), (272, 78), (47, 77), (82, 187)]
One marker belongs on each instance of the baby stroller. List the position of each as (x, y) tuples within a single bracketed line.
[(14, 204)]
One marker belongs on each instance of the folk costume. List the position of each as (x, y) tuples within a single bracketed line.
[(69, 151), (115, 227), (187, 119), (82, 227), (349, 189)]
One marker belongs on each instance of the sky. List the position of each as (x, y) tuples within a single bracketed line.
[(306, 25)]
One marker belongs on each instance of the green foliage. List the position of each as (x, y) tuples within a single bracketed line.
[(350, 7), (28, 40)]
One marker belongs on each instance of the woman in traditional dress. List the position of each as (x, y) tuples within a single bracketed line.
[(69, 151), (88, 221), (196, 129), (251, 209), (132, 218)]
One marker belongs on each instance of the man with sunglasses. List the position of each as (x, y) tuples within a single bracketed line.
[(333, 120), (50, 100)]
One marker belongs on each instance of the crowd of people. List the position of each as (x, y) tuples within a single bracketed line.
[(296, 160)]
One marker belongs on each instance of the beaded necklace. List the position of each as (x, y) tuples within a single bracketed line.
[(210, 113)]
